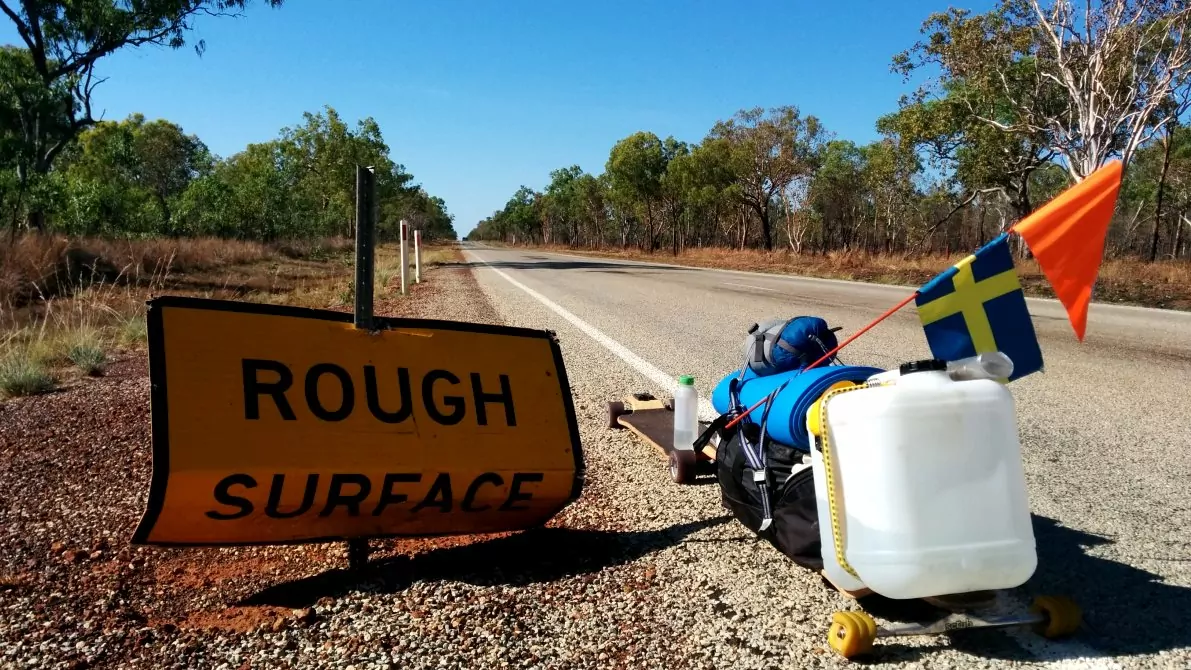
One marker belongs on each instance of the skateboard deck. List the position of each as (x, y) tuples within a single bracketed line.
[(652, 425), (656, 428)]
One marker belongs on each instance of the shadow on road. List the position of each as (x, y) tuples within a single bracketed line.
[(1127, 610), (533, 556)]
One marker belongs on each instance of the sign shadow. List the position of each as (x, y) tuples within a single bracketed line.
[(527, 557)]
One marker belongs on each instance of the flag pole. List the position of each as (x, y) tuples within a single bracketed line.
[(828, 355)]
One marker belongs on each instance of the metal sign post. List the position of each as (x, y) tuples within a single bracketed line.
[(358, 549)]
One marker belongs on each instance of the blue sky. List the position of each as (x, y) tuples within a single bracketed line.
[(476, 98)]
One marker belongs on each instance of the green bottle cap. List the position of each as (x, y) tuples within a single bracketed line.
[(686, 380)]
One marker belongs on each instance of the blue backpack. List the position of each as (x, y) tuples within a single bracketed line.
[(780, 345)]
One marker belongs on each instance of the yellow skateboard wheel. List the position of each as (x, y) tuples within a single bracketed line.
[(1062, 617), (852, 633)]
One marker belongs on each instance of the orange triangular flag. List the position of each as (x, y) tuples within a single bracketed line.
[(1066, 236)]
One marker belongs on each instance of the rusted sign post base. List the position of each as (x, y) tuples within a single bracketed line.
[(358, 549), (357, 554)]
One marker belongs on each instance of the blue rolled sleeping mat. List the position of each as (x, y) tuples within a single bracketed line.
[(787, 417)]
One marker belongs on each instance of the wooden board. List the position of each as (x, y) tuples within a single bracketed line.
[(656, 427)]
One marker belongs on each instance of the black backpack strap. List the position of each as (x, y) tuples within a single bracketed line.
[(719, 425), (761, 475)]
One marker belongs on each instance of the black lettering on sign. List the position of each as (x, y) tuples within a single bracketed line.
[(387, 497), (515, 494), (441, 487), (275, 497), (469, 498), (453, 401), (224, 497), (371, 390), (505, 397), (254, 388), (335, 497), (348, 397)]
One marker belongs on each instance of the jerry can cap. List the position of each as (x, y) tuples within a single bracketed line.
[(927, 365)]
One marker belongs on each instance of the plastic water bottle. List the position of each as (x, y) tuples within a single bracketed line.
[(686, 413), (989, 365)]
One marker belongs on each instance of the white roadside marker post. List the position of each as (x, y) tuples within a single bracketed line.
[(417, 257), (404, 254)]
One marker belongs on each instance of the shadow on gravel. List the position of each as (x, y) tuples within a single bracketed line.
[(560, 265), (1127, 611), (529, 557)]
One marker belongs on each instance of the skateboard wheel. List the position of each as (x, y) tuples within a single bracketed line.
[(1061, 616), (615, 411), (682, 466), (852, 633)]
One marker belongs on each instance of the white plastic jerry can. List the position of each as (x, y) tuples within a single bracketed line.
[(929, 486), (838, 576)]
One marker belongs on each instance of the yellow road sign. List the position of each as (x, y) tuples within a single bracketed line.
[(278, 424)]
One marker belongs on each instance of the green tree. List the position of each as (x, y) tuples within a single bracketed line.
[(248, 196), (325, 151), (837, 193), (635, 168), (31, 115), (1095, 81), (975, 157), (123, 177), (767, 152), (64, 40)]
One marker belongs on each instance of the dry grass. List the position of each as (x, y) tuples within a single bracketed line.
[(40, 267), (1122, 280), (433, 256), (65, 306), (21, 374), (73, 321)]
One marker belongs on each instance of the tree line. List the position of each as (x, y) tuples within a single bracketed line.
[(62, 170), (1028, 98)]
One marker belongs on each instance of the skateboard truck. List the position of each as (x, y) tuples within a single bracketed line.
[(853, 633)]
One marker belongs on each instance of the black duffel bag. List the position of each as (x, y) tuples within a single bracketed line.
[(794, 518)]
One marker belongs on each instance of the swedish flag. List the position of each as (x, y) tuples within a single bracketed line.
[(978, 306)]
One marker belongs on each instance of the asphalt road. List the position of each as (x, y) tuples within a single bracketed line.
[(1106, 432)]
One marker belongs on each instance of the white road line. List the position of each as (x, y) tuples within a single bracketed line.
[(759, 288), (664, 381)]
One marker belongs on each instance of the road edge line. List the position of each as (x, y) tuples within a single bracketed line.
[(664, 381)]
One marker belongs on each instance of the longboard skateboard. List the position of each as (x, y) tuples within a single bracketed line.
[(652, 420)]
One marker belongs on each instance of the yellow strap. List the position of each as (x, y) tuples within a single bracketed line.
[(836, 532)]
